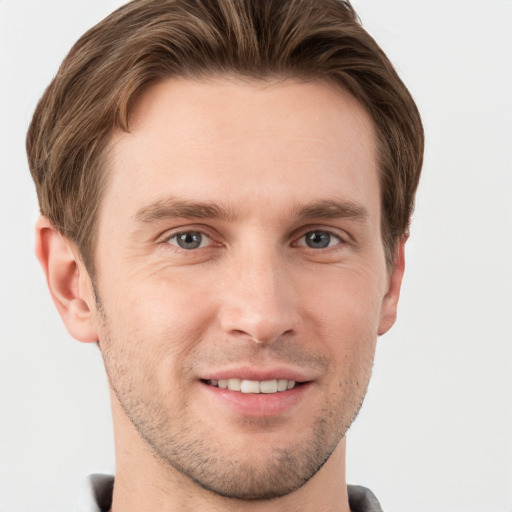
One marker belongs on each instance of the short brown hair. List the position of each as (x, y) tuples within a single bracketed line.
[(146, 40)]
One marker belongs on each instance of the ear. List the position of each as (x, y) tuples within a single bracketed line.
[(69, 282), (390, 301)]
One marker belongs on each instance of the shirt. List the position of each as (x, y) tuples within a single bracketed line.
[(96, 496)]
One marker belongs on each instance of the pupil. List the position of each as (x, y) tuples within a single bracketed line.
[(190, 240), (318, 239)]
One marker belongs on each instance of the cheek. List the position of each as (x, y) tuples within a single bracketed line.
[(345, 317), (149, 331), (156, 319), (348, 302)]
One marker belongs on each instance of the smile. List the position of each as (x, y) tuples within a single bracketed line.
[(253, 386)]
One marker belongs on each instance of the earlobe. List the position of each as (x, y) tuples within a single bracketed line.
[(72, 295), (390, 301)]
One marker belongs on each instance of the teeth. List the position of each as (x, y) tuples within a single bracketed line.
[(268, 386), (254, 386), (282, 385), (234, 384), (250, 386)]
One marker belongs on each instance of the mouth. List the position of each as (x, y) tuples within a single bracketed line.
[(256, 393), (254, 386)]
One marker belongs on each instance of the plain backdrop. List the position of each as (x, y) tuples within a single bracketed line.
[(435, 433)]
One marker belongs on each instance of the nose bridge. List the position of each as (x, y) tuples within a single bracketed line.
[(258, 297)]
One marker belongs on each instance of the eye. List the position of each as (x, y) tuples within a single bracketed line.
[(189, 240), (319, 239)]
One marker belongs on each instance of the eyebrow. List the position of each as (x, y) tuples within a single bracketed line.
[(178, 208), (331, 209)]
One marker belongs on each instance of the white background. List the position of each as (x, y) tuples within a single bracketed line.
[(435, 433)]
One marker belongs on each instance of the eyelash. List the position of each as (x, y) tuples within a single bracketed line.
[(188, 232), (332, 234), (174, 236)]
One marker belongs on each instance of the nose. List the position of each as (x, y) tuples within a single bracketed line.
[(258, 301)]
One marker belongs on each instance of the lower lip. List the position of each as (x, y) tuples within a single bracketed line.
[(258, 404)]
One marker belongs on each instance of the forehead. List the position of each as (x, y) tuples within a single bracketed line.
[(226, 140)]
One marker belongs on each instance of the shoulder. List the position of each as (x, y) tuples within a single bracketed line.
[(96, 494), (362, 499)]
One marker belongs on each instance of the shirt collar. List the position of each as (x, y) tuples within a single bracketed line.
[(96, 496)]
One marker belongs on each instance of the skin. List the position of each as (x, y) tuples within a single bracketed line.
[(271, 161)]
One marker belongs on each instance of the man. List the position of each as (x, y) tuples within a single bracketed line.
[(226, 189)]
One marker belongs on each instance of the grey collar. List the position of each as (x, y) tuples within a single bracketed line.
[(96, 496)]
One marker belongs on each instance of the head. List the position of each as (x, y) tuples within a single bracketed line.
[(234, 183)]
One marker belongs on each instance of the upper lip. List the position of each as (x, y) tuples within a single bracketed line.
[(259, 373)]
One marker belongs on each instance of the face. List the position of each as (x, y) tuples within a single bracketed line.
[(241, 278)]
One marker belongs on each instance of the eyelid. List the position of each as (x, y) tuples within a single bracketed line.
[(342, 236), (182, 228), (168, 234), (204, 243)]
